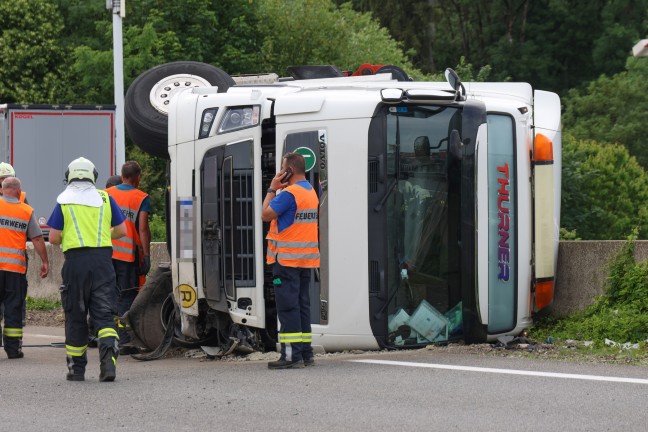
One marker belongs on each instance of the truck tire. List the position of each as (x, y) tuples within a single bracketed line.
[(151, 308), (397, 73), (147, 99)]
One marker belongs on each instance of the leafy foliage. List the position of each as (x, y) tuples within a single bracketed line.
[(518, 38), (621, 314), (604, 190), (31, 59), (316, 32), (613, 109)]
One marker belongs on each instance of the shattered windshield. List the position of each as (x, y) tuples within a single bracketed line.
[(423, 226)]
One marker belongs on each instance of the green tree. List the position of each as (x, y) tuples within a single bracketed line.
[(613, 109), (604, 191), (31, 58), (553, 44), (317, 32)]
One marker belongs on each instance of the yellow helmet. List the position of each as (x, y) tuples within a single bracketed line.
[(6, 170), (81, 169)]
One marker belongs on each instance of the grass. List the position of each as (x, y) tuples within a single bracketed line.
[(619, 315), (42, 304)]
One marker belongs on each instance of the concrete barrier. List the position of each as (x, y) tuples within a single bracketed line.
[(582, 271)]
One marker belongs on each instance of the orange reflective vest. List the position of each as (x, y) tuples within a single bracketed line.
[(23, 196), (297, 245), (14, 221), (129, 201)]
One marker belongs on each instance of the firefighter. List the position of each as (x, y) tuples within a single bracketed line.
[(131, 253), (293, 250), (81, 223), (6, 170), (17, 222)]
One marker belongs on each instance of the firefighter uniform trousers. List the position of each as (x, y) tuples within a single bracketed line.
[(13, 291), (292, 285), (89, 287)]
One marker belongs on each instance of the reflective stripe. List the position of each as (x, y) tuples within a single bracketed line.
[(13, 224), (129, 213), (13, 260), (125, 239), (290, 337), (307, 337), (121, 249), (12, 251), (76, 226), (297, 244), (306, 216), (107, 332), (12, 332), (299, 256), (75, 351), (101, 212)]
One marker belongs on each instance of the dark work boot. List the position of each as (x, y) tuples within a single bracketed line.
[(13, 347), (108, 366), (309, 361), (76, 368), (285, 364)]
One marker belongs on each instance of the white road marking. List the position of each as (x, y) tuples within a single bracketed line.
[(507, 371), (43, 336)]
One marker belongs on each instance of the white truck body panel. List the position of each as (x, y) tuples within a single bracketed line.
[(342, 110)]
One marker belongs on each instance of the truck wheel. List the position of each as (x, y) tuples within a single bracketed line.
[(150, 309), (397, 73), (147, 100)]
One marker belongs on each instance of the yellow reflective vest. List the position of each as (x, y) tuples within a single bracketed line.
[(85, 226)]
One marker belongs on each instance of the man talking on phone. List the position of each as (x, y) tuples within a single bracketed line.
[(293, 250)]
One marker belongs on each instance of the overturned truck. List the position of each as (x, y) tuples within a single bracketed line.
[(438, 216)]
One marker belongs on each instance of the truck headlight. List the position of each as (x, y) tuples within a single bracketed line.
[(236, 118), (206, 122)]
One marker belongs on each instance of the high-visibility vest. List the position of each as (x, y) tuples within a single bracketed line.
[(130, 202), (85, 226), (297, 245), (14, 221), (23, 196)]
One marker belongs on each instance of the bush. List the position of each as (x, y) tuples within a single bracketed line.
[(604, 191), (620, 314)]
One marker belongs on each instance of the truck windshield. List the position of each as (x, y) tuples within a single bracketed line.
[(423, 281)]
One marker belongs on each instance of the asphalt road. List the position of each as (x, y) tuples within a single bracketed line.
[(404, 391)]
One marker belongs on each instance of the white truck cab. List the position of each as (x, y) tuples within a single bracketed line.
[(439, 205)]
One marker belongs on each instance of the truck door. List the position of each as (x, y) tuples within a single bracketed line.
[(312, 145)]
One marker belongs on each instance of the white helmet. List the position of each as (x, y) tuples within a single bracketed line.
[(81, 169), (6, 170)]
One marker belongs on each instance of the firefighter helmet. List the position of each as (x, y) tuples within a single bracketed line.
[(6, 170), (81, 169)]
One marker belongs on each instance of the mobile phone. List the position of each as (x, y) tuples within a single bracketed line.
[(287, 175)]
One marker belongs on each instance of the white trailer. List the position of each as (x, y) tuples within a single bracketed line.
[(39, 141), (439, 205)]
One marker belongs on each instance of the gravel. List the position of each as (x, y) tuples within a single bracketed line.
[(570, 350)]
